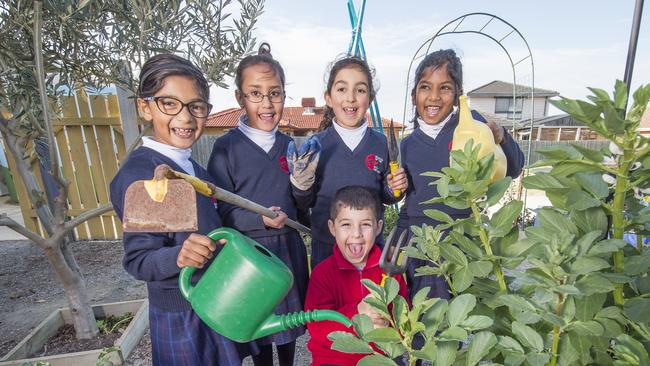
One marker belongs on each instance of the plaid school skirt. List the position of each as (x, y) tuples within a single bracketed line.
[(182, 339)]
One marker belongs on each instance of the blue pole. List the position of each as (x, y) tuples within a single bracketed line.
[(360, 50)]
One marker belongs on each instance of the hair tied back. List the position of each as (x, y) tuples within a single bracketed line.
[(265, 49)]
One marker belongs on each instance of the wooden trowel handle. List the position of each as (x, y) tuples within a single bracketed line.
[(210, 190)]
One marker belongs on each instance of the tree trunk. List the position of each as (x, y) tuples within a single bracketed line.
[(75, 291)]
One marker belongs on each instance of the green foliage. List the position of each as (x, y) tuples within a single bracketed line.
[(104, 358), (568, 290), (390, 220), (112, 323)]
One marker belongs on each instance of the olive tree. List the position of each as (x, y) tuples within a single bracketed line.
[(48, 48)]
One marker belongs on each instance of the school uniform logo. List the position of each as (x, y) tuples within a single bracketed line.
[(374, 163), (214, 202), (283, 164), (451, 143)]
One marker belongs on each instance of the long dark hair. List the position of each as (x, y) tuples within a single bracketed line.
[(263, 57), (435, 60), (335, 67), (159, 67)]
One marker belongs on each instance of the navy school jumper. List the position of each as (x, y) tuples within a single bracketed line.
[(420, 153), (340, 167), (240, 166)]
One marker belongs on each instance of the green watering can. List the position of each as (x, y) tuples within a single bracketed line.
[(237, 294)]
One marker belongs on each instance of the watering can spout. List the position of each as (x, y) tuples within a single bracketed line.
[(280, 323)]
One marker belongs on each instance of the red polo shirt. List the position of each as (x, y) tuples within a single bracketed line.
[(335, 284)]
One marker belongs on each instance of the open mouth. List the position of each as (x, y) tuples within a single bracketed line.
[(355, 249), (432, 111), (183, 133), (350, 110), (266, 117)]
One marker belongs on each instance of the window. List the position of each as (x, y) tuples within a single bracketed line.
[(504, 106)]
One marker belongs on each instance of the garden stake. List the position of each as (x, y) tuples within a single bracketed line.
[(167, 203)]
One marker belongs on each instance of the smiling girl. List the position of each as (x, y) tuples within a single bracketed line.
[(251, 161), (172, 96), (351, 153), (438, 84)]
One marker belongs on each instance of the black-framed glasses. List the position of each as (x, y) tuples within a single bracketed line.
[(172, 106), (274, 96)]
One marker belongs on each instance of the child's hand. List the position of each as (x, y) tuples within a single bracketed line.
[(278, 221), (196, 251), (378, 321), (302, 163), (497, 131), (398, 180)]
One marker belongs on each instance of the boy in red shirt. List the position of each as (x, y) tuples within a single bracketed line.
[(335, 283)]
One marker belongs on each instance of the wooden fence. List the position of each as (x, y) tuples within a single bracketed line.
[(90, 144)]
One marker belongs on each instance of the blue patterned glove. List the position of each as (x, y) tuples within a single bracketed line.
[(302, 163)]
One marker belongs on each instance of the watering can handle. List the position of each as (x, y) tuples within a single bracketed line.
[(185, 277)]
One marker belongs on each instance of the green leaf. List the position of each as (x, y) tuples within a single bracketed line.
[(588, 306), (362, 324), (462, 279), (538, 359), (376, 360), (607, 246), (593, 219), (376, 290), (476, 322), (579, 200), (446, 353), (584, 265), (496, 190), (428, 352), (586, 241), (453, 334), (452, 254), (383, 335), (459, 308), (620, 95), (594, 283), (466, 244), (588, 328), (392, 288), (527, 336), (434, 316), (420, 296), (518, 248), (568, 354), (480, 346), (637, 309), (510, 344), (438, 216), (541, 181), (589, 154), (593, 183), (567, 290), (480, 268), (637, 264), (517, 303), (613, 121), (502, 220), (627, 344), (348, 343), (400, 311), (555, 221)]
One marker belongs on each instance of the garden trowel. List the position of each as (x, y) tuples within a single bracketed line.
[(393, 154), (167, 203)]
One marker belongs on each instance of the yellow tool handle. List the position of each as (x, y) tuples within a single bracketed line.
[(393, 168)]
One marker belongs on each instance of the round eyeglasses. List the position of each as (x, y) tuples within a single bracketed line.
[(172, 106), (274, 96)]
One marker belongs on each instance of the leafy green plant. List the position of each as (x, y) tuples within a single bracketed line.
[(390, 220), (111, 323), (569, 291), (104, 358)]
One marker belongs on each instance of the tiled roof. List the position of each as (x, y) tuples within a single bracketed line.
[(292, 118), (499, 88)]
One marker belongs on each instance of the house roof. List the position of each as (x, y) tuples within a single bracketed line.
[(498, 88), (292, 118), (645, 119)]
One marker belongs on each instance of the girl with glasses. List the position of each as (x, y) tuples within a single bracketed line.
[(250, 161), (172, 96)]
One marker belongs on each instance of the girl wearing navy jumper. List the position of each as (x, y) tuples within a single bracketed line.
[(438, 83), (346, 152), (173, 96), (251, 162)]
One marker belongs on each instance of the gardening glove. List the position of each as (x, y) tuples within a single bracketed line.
[(302, 164)]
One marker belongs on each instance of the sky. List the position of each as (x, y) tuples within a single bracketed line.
[(575, 44)]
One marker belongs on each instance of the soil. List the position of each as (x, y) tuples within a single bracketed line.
[(30, 291), (65, 342)]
